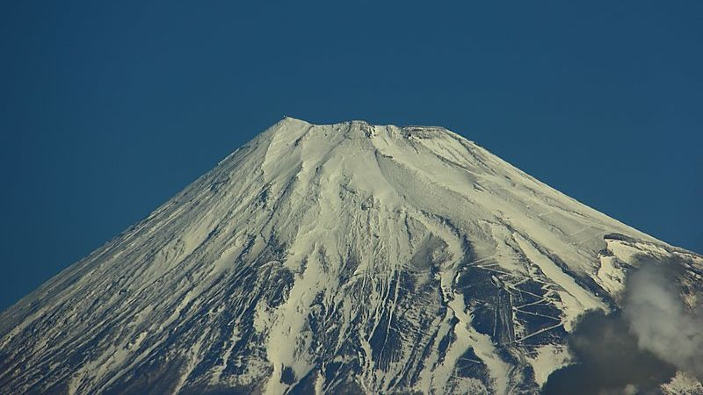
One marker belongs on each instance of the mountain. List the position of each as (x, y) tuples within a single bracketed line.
[(341, 258)]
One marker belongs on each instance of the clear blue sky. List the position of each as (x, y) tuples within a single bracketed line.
[(109, 108)]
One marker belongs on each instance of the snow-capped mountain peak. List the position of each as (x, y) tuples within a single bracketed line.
[(328, 258)]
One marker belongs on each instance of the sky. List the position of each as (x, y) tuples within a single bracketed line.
[(107, 109)]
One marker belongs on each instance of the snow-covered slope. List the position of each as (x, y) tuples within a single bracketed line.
[(331, 258)]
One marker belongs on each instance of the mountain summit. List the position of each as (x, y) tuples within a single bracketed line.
[(332, 258)]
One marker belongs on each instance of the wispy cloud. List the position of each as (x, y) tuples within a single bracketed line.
[(638, 348), (661, 322)]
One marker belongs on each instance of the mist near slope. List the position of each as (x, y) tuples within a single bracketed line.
[(660, 320), (636, 349)]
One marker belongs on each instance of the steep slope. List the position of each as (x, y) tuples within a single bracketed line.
[(346, 257)]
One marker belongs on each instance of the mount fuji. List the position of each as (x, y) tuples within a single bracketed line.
[(343, 258)]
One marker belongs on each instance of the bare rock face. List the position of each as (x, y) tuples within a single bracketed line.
[(343, 258)]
